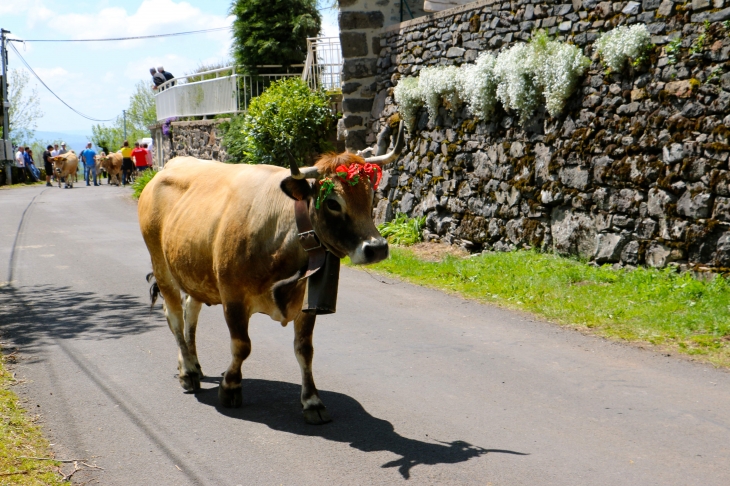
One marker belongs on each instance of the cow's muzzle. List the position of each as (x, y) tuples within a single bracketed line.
[(370, 251)]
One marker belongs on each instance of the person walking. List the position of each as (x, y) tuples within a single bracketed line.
[(140, 157), (88, 155), (47, 164), (127, 164), (149, 155)]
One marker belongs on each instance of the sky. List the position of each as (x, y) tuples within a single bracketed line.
[(98, 78)]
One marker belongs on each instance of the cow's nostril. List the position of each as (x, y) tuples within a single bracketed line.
[(375, 251)]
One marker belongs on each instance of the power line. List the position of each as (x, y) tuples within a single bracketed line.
[(49, 89), (124, 38)]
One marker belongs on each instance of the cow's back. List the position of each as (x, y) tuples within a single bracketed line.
[(115, 165), (209, 222)]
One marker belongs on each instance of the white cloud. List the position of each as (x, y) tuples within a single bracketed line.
[(39, 14), (14, 7), (152, 17)]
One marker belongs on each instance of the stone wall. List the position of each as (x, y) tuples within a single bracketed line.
[(199, 139), (360, 24), (635, 171)]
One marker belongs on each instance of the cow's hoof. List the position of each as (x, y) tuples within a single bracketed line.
[(200, 370), (317, 416), (190, 382), (230, 398)]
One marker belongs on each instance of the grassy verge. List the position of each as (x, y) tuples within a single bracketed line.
[(23, 184), (141, 181), (20, 438), (660, 307)]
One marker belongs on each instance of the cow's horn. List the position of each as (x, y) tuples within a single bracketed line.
[(393, 154), (310, 172), (295, 172)]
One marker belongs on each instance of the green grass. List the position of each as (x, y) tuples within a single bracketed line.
[(403, 230), (141, 181), (20, 438), (661, 307), (24, 184)]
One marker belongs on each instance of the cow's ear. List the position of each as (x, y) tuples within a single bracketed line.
[(298, 189)]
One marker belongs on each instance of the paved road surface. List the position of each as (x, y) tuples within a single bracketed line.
[(424, 388)]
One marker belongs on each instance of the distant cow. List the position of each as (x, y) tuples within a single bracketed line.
[(65, 167), (112, 164), (226, 234)]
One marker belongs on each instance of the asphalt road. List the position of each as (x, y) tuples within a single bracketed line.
[(424, 388)]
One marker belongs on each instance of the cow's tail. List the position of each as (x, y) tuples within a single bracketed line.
[(154, 289)]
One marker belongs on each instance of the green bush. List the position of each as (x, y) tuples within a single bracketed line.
[(287, 116), (141, 182), (403, 230)]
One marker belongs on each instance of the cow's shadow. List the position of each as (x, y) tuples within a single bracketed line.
[(276, 405), (30, 316)]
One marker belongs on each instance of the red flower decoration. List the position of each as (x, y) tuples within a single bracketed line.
[(374, 173), (352, 173)]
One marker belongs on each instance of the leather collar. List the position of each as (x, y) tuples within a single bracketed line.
[(308, 238)]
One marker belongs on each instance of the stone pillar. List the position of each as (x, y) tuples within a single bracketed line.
[(360, 24)]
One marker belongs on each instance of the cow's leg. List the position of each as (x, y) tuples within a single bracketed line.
[(191, 311), (313, 408), (230, 394), (187, 371)]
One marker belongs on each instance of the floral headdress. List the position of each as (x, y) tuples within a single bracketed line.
[(350, 175)]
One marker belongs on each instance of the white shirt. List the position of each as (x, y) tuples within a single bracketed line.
[(54, 153), (20, 159)]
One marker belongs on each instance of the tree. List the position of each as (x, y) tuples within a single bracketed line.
[(140, 115), (273, 31), (25, 107)]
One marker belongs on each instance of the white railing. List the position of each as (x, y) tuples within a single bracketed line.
[(323, 67), (181, 97), (224, 91)]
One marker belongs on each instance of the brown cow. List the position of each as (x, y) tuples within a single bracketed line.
[(112, 164), (65, 167), (226, 234)]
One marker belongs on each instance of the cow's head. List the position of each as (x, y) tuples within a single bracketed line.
[(57, 162), (103, 160), (340, 190)]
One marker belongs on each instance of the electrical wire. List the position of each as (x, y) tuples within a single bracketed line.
[(54, 94), (124, 38)]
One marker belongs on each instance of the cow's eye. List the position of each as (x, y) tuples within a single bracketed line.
[(333, 206)]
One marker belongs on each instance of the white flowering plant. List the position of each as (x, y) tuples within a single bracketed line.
[(407, 95), (479, 85), (542, 69), (521, 77), (440, 85), (516, 89), (556, 67), (622, 43)]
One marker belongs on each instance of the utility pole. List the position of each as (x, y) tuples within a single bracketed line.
[(7, 146), (124, 112)]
